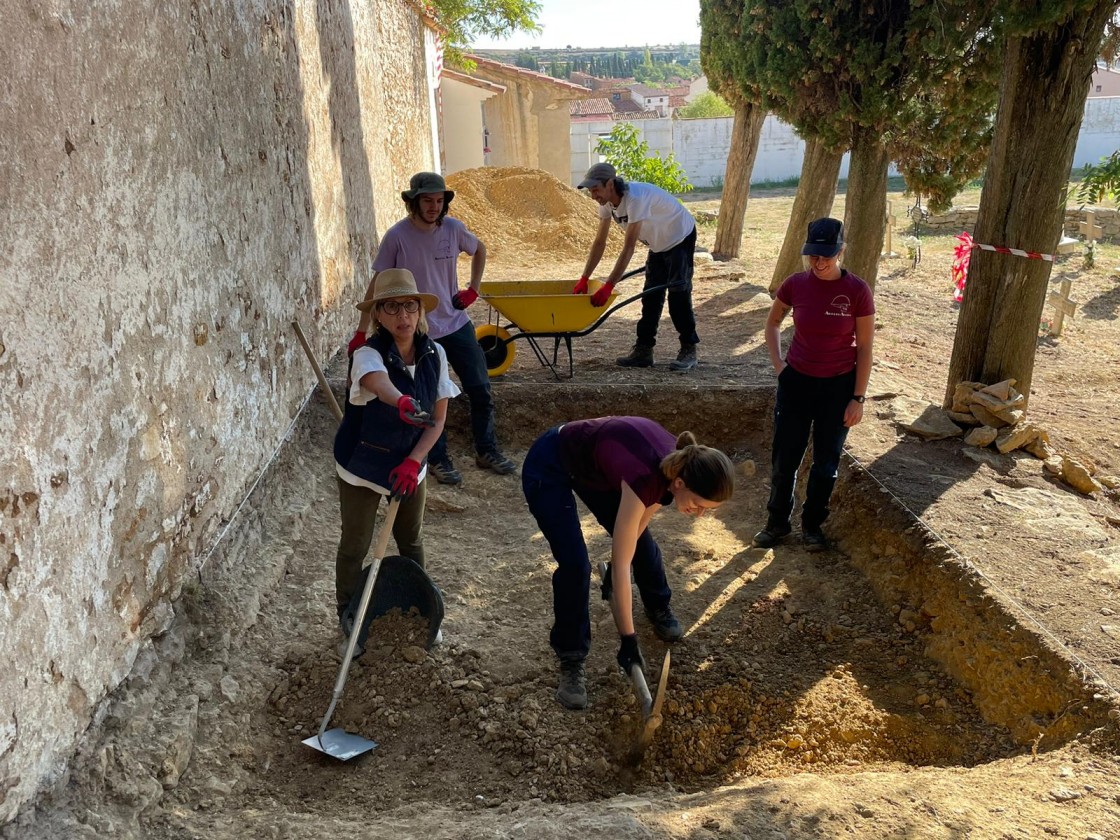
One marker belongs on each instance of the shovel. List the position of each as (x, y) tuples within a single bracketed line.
[(650, 705), (337, 742)]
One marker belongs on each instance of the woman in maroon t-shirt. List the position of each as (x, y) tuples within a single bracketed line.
[(624, 469), (822, 380)]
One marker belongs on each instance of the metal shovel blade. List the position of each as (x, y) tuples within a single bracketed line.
[(340, 744), (653, 718)]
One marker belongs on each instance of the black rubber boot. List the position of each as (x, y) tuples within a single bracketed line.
[(639, 356)]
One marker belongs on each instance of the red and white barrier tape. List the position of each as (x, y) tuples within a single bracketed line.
[(1031, 255)]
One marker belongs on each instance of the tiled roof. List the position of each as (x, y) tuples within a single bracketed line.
[(463, 78), (627, 106), (677, 101), (502, 69), (643, 90), (636, 115), (584, 107)]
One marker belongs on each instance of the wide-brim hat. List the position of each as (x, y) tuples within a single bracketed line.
[(427, 183), (825, 238), (397, 283)]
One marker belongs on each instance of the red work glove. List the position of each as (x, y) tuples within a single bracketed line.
[(601, 297), (405, 478), (465, 298), (411, 413), (357, 341), (581, 286)]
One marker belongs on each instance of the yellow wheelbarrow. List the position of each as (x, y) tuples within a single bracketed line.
[(538, 309)]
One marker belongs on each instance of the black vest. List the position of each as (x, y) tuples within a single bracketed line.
[(373, 439)]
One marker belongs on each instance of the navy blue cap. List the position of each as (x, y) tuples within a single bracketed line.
[(825, 238)]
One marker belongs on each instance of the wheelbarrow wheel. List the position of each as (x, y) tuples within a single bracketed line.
[(496, 347)]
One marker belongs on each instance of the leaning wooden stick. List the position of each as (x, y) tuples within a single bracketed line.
[(318, 372)]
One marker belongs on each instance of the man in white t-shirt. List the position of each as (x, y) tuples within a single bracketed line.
[(649, 215)]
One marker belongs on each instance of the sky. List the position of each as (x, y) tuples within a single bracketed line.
[(608, 23)]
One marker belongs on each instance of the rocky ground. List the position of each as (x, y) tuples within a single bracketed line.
[(800, 703)]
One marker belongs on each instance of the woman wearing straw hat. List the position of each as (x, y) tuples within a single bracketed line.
[(395, 412), (822, 381)]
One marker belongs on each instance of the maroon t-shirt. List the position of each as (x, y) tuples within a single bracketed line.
[(824, 321), (603, 453)]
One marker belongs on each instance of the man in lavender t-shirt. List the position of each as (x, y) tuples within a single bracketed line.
[(428, 243)]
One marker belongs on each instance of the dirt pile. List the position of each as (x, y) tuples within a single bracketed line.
[(524, 215)]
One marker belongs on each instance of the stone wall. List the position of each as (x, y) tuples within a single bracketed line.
[(964, 218), (179, 180)]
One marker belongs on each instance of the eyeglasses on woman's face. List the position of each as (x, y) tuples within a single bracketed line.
[(393, 307)]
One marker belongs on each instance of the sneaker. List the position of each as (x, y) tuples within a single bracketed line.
[(445, 472), (639, 356), (686, 359), (572, 692), (665, 624), (771, 535), (814, 539), (496, 461)]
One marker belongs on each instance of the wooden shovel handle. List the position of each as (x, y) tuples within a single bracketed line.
[(318, 372)]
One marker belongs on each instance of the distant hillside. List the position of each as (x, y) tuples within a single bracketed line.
[(649, 65)]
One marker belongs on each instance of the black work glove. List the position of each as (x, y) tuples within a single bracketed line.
[(629, 654)]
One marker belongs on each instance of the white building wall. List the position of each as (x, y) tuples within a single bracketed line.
[(701, 146), (1100, 131)]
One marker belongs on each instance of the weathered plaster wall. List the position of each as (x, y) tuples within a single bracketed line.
[(177, 182), (529, 123)]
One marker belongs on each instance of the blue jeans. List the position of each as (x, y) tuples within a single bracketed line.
[(550, 492), (804, 405), (675, 268), (465, 357)]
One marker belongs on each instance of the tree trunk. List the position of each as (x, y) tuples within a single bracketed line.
[(1042, 100), (865, 209), (815, 193), (737, 179)]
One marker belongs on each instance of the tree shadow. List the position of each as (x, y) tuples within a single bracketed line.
[(1103, 307)]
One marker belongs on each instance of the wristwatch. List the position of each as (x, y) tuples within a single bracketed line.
[(859, 398)]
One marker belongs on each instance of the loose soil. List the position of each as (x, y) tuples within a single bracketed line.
[(811, 697)]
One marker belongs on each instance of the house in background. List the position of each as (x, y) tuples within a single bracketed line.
[(590, 110), (651, 99), (464, 140), (526, 123), (696, 87), (1105, 82)]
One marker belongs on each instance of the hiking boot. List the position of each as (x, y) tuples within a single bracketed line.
[(346, 626), (639, 356), (686, 359), (665, 624), (445, 472), (572, 692), (496, 461), (771, 535), (814, 539)]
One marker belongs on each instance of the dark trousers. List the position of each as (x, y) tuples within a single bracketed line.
[(465, 357), (807, 405), (551, 493), (358, 506), (675, 268)]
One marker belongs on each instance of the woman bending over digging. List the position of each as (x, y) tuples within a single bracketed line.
[(624, 469), (395, 412)]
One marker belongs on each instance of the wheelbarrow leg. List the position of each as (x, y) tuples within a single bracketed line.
[(571, 367)]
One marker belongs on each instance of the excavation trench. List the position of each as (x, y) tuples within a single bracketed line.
[(890, 652)]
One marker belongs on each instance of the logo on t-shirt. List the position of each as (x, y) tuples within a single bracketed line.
[(840, 307), (620, 219), (443, 249)]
